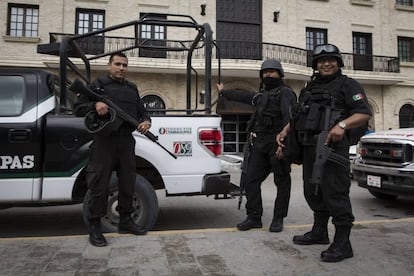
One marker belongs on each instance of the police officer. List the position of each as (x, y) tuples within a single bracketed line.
[(272, 104), (113, 150), (331, 198)]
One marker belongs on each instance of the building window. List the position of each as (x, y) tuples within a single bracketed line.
[(153, 36), (89, 21), (314, 37), (239, 29), (363, 2), (23, 20), (362, 50), (405, 2), (406, 49)]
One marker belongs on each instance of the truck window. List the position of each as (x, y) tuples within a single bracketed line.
[(54, 88), (12, 92)]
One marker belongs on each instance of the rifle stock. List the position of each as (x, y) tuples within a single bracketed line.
[(79, 87)]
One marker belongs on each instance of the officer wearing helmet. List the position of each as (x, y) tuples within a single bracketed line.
[(112, 148), (272, 106), (350, 111)]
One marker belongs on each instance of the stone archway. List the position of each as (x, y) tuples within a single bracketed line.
[(235, 116), (404, 109), (374, 110), (154, 104), (406, 116)]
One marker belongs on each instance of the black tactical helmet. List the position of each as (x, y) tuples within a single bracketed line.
[(102, 125), (326, 50), (272, 64)]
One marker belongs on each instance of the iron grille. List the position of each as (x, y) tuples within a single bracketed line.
[(385, 153)]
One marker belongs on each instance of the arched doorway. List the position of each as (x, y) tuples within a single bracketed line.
[(371, 122), (235, 116), (154, 104), (406, 116)]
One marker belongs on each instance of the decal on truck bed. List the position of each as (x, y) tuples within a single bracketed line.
[(183, 148), (174, 130)]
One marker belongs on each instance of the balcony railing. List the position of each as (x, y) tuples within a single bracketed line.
[(229, 49)]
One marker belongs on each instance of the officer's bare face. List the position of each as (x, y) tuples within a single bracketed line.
[(327, 66), (270, 73), (118, 67)]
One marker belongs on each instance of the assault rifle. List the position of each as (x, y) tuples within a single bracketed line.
[(324, 152), (245, 164), (79, 87)]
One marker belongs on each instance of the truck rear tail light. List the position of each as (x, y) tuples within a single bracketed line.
[(211, 139)]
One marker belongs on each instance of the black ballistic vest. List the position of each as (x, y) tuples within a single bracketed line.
[(267, 117), (124, 95), (308, 114)]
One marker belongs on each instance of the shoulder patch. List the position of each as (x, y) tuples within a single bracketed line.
[(357, 97)]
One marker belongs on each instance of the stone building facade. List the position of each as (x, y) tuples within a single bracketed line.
[(375, 36)]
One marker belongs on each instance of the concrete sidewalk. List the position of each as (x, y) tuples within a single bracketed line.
[(380, 248)]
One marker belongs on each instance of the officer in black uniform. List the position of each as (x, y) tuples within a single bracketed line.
[(113, 150), (272, 103), (350, 111)]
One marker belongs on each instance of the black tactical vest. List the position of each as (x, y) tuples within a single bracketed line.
[(308, 113), (268, 115), (123, 94)]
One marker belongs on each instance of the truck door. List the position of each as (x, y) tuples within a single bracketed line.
[(21, 113)]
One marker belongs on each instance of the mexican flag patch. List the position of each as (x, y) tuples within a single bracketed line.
[(357, 97)]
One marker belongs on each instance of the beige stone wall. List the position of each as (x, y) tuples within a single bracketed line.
[(340, 17)]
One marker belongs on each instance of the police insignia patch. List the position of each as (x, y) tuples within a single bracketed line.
[(357, 97)]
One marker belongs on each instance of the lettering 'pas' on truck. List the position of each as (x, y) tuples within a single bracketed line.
[(44, 147), (385, 163), (16, 162)]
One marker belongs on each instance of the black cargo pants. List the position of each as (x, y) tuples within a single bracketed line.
[(261, 162), (332, 198), (109, 153)]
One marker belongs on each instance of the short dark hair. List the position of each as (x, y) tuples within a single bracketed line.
[(119, 54)]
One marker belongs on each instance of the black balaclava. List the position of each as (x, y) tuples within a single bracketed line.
[(271, 83)]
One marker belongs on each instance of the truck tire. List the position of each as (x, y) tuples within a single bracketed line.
[(145, 203), (382, 195)]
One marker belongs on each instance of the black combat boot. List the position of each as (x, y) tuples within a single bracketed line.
[(318, 235), (249, 223), (128, 226), (341, 247), (276, 225), (96, 238)]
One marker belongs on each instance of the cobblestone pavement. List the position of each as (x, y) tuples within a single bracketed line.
[(380, 248)]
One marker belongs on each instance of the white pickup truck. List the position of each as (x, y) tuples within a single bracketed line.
[(44, 147), (385, 163)]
